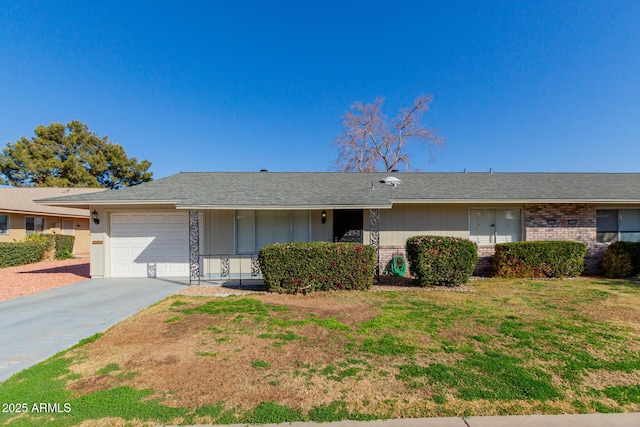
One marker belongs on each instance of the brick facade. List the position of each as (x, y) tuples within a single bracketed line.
[(537, 228), (485, 258), (575, 222), (387, 253)]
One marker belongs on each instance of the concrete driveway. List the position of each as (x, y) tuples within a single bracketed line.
[(35, 327)]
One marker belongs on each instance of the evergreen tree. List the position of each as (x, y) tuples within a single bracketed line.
[(70, 156)]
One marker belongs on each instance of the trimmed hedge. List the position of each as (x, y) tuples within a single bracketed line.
[(316, 266), (20, 253), (539, 259), (622, 259), (62, 244), (438, 260)]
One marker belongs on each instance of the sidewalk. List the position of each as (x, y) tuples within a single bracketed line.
[(569, 420)]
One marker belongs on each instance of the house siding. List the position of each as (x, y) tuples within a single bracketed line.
[(407, 220), (396, 226), (404, 221), (53, 225)]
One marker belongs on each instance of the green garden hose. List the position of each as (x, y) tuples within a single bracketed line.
[(398, 266)]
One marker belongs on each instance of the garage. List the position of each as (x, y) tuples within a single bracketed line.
[(149, 244)]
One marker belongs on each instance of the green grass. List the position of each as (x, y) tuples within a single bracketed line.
[(206, 353), (513, 346), (111, 367), (260, 364)]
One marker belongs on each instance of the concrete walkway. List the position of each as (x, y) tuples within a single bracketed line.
[(35, 327), (571, 420)]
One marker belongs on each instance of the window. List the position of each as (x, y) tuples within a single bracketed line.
[(489, 226), (67, 227), (613, 225), (33, 225), (4, 224), (255, 229)]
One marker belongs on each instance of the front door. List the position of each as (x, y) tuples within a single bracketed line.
[(347, 225)]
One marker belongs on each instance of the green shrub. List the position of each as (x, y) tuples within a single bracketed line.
[(539, 259), (60, 244), (316, 266), (438, 260), (20, 253), (64, 246), (622, 259)]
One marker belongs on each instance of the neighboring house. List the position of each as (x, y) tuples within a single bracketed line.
[(20, 215), (201, 224)]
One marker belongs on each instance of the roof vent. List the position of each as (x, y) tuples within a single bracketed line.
[(264, 170), (391, 180)]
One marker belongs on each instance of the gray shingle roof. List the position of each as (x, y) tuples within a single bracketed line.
[(349, 189)]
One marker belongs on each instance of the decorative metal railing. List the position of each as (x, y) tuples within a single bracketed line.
[(228, 267)]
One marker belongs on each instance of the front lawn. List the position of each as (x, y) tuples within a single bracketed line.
[(509, 347)]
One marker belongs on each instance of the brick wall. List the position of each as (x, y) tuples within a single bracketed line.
[(387, 253), (485, 259), (536, 227), (584, 229)]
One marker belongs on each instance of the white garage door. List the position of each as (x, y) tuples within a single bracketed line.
[(149, 244)]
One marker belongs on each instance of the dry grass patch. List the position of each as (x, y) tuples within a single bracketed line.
[(168, 356), (510, 347)]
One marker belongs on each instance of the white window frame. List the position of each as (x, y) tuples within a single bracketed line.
[(34, 231), (492, 238), (7, 231), (618, 232), (255, 231)]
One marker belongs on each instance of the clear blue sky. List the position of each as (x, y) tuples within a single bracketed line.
[(242, 85)]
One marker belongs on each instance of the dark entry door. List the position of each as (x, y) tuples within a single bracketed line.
[(347, 225)]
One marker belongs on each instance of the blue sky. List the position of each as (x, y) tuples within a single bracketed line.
[(244, 85)]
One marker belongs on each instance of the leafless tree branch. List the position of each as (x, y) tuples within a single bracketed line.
[(371, 142)]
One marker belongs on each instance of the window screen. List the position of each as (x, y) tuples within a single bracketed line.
[(255, 229), (614, 225), (4, 224), (245, 234), (34, 225)]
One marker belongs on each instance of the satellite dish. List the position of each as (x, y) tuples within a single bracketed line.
[(391, 180)]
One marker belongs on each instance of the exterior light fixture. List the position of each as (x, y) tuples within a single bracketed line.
[(324, 217), (94, 215), (551, 222)]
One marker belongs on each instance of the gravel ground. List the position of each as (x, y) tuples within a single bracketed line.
[(32, 278)]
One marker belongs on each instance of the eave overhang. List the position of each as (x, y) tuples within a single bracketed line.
[(514, 201), (283, 207), (54, 214)]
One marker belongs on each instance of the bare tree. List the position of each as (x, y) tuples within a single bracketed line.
[(372, 142)]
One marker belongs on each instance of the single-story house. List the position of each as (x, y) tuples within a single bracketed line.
[(208, 224), (21, 215)]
